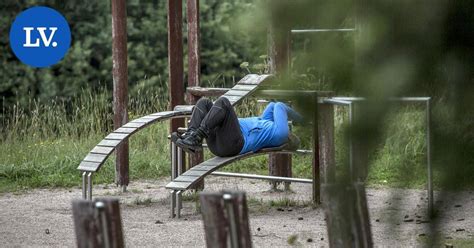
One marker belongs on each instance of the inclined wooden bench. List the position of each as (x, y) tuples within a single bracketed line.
[(99, 154)]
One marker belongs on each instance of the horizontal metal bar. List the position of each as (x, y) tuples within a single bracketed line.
[(254, 176), (336, 101), (295, 31), (402, 99)]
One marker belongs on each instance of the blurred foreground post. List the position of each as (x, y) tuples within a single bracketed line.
[(225, 218), (120, 92), (194, 68), (347, 215), (98, 223), (279, 55)]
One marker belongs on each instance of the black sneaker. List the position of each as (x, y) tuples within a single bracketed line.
[(193, 142), (175, 136)]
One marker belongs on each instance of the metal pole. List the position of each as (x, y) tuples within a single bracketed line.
[(172, 202), (428, 157), (100, 206), (89, 185), (234, 236), (179, 203), (84, 185), (351, 145), (254, 176), (173, 160), (120, 79), (322, 30), (180, 161)]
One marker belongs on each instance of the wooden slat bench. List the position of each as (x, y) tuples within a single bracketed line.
[(195, 174), (99, 154)]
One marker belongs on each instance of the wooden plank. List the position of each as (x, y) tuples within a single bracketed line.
[(201, 91), (88, 166), (254, 79), (184, 108), (164, 113), (178, 185), (102, 150), (244, 87), (143, 120), (200, 168), (125, 130), (134, 125), (194, 173), (183, 178), (99, 158), (233, 99), (116, 136), (237, 93), (109, 143)]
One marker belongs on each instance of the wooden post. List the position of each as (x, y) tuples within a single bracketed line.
[(225, 218), (316, 163), (98, 223), (194, 68), (327, 160), (175, 62), (120, 91), (279, 54)]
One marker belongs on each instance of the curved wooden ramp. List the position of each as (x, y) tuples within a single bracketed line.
[(99, 154)]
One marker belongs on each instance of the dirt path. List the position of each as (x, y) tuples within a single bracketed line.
[(43, 217)]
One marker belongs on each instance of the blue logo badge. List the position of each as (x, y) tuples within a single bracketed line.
[(40, 36)]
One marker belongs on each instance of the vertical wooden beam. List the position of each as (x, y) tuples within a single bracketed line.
[(279, 54), (194, 56), (327, 160), (194, 67), (316, 163), (175, 58), (175, 62), (120, 79)]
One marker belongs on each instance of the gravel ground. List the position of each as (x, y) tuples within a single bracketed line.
[(42, 217)]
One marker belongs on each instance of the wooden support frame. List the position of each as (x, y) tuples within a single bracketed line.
[(120, 91)]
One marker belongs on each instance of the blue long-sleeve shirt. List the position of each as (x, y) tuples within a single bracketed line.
[(268, 130)]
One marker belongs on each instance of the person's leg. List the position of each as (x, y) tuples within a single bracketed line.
[(225, 139), (221, 128), (280, 123), (268, 112), (200, 111)]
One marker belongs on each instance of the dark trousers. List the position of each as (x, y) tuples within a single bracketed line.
[(219, 121)]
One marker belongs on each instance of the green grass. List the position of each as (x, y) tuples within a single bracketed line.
[(42, 145)]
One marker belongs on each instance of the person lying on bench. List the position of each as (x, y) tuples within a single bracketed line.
[(228, 135)]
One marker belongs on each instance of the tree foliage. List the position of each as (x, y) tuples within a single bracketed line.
[(88, 63)]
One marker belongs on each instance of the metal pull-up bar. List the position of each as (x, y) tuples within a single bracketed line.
[(296, 31)]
